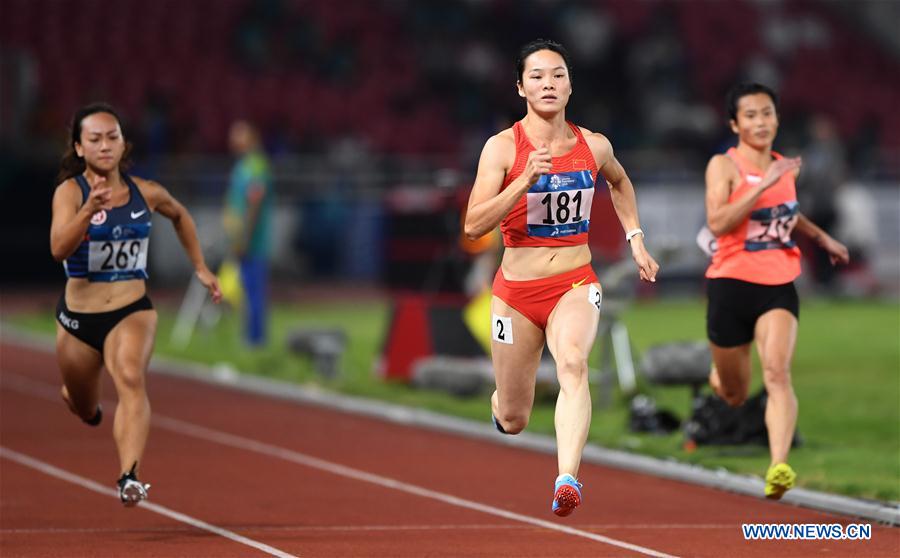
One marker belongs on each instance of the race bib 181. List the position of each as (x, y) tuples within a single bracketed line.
[(559, 204)]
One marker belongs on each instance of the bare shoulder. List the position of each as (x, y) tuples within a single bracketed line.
[(500, 148), (599, 145), (154, 193), (722, 165), (502, 141), (68, 190), (145, 184), (721, 176), (66, 186), (595, 139)]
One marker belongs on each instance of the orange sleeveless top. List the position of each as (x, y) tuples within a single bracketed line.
[(760, 249), (556, 210)]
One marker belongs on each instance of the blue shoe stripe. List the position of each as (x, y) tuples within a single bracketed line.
[(569, 480), (566, 507), (497, 424)]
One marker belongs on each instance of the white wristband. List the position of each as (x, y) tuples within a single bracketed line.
[(633, 233)]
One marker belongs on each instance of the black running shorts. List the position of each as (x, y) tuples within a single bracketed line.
[(94, 327), (734, 306)]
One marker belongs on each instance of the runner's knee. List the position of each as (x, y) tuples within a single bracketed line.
[(571, 367), (734, 398), (776, 377), (513, 423), (733, 392), (131, 381)]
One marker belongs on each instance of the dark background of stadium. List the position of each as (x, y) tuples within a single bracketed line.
[(360, 101)]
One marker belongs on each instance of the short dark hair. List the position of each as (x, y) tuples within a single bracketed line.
[(541, 44), (742, 90)]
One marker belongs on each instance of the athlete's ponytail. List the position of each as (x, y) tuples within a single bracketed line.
[(73, 165)]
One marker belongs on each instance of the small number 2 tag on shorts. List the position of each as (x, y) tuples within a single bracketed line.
[(595, 296), (501, 329)]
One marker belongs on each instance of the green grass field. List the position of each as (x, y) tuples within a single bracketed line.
[(846, 375)]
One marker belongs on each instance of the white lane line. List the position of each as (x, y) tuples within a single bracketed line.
[(61, 474), (26, 385), (263, 448), (360, 528)]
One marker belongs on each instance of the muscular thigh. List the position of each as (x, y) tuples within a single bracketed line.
[(776, 337), (733, 364), (77, 360), (129, 345), (516, 347), (573, 322)]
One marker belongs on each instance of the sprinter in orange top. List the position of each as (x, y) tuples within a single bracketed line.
[(536, 180), (751, 207)]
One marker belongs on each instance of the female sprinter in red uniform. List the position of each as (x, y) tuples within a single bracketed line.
[(536, 180), (100, 231), (751, 206)]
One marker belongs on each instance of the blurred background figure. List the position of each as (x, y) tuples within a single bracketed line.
[(248, 225), (824, 172), (358, 173)]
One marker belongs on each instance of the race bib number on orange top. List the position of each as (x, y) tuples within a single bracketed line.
[(770, 228)]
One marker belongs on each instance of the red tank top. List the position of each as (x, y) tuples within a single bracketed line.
[(760, 249), (556, 211)]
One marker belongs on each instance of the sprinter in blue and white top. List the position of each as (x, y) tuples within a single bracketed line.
[(115, 247), (100, 231)]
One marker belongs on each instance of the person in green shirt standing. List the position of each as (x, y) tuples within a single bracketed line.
[(248, 224)]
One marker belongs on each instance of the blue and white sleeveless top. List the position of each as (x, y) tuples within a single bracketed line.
[(115, 245)]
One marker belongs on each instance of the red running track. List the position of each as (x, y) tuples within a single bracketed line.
[(255, 476)]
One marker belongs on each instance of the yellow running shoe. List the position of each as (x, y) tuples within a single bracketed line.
[(779, 479)]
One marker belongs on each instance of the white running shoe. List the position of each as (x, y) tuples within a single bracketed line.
[(131, 490)]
